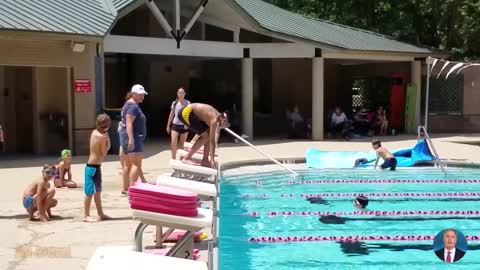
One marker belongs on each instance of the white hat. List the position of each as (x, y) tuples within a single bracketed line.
[(138, 89)]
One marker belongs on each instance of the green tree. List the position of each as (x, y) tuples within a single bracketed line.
[(452, 25)]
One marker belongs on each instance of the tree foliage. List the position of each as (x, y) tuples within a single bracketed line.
[(452, 25)]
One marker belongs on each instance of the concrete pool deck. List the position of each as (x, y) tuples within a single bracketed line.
[(68, 243)]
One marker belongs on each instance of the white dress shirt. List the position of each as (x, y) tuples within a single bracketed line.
[(452, 254)]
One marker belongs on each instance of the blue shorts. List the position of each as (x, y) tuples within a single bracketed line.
[(389, 163), (28, 202), (93, 179), (137, 145)]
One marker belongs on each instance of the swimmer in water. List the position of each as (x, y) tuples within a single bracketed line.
[(360, 202)]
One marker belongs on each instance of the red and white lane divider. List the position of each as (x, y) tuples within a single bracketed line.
[(349, 238), (371, 194), (382, 181), (370, 213)]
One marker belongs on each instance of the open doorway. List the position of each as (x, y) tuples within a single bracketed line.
[(16, 112), (34, 107)]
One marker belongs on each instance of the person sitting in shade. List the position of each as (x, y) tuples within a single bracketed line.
[(339, 123), (298, 127)]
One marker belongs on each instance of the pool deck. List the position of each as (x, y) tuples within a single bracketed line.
[(68, 243)]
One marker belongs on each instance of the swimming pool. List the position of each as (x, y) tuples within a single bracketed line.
[(256, 206)]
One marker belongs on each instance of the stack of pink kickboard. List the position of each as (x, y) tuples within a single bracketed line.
[(163, 200)]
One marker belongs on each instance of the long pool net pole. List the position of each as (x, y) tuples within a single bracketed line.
[(260, 151)]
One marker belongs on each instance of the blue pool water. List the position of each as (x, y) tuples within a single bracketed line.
[(236, 252)]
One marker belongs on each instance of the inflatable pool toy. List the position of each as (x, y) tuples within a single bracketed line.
[(419, 154)]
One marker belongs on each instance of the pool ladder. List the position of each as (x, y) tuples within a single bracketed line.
[(438, 161)]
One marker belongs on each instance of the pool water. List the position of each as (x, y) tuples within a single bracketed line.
[(266, 192)]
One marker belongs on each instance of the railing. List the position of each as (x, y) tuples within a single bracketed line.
[(438, 160)]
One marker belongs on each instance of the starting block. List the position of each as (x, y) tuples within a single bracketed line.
[(184, 247), (193, 172), (124, 258)]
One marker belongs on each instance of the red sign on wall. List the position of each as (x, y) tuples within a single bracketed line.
[(83, 86)]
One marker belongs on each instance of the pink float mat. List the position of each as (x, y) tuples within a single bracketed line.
[(158, 208), (161, 201), (163, 252), (164, 192), (164, 200), (199, 151), (178, 234)]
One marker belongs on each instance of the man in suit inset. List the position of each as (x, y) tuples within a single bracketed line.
[(450, 253)]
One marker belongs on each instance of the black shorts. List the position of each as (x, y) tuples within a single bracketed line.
[(181, 129), (193, 123), (389, 163)]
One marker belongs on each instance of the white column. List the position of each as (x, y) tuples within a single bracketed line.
[(203, 31), (236, 35), (317, 98), (247, 96), (416, 78)]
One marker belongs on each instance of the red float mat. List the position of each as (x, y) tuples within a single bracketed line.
[(164, 192), (158, 208)]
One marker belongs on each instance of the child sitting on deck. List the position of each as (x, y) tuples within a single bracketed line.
[(39, 196), (63, 167)]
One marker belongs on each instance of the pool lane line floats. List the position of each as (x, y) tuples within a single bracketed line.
[(371, 194), (350, 238), (369, 213), (383, 181)]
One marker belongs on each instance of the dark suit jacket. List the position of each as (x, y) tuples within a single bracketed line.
[(458, 254)]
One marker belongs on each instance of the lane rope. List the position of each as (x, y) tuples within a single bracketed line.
[(371, 194), (350, 238), (369, 213)]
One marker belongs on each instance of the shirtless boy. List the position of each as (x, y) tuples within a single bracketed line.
[(205, 121), (389, 160), (39, 196), (99, 146)]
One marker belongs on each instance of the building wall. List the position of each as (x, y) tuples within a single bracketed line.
[(58, 53)]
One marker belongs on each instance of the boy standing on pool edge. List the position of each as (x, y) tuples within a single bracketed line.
[(99, 146), (389, 161)]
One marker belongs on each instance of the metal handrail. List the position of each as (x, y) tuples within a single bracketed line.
[(430, 143)]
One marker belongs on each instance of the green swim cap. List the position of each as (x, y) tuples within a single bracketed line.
[(65, 153)]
